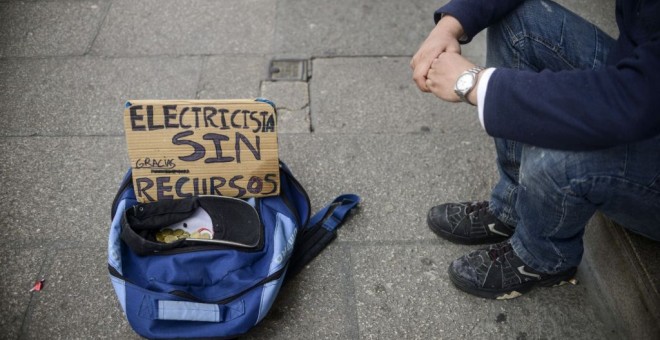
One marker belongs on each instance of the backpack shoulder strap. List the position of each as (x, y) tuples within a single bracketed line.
[(321, 231)]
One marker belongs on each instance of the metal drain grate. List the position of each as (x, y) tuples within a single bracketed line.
[(288, 69)]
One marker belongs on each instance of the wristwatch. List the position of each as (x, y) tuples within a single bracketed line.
[(466, 82)]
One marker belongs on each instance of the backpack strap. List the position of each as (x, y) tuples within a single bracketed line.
[(320, 232), (125, 191)]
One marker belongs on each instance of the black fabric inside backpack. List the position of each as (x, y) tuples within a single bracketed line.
[(235, 223)]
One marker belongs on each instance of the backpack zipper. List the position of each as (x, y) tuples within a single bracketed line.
[(190, 297), (269, 278)]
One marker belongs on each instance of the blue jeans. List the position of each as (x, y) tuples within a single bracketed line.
[(549, 195)]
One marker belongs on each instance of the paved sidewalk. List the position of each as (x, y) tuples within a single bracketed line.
[(358, 124)]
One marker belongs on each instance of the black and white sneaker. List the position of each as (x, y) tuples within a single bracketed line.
[(467, 223), (497, 272)]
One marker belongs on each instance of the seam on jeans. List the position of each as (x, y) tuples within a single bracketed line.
[(513, 37), (504, 213), (511, 151), (561, 30), (513, 41), (597, 50), (561, 219), (646, 187), (516, 40), (570, 188), (511, 147), (554, 231), (654, 180), (510, 208), (625, 161), (649, 187), (552, 47)]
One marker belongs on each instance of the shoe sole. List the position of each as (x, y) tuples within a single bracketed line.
[(510, 293), (463, 240)]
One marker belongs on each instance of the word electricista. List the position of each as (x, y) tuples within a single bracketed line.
[(195, 117)]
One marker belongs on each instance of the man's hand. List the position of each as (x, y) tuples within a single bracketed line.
[(443, 38), (444, 72)]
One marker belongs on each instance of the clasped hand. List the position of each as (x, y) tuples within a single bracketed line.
[(438, 62)]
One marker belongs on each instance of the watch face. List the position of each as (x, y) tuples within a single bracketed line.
[(465, 82)]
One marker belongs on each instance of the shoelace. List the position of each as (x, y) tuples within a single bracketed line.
[(476, 206), (498, 251)]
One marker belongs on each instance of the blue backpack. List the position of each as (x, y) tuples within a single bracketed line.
[(220, 287)]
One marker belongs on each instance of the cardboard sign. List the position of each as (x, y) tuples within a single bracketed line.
[(181, 148)]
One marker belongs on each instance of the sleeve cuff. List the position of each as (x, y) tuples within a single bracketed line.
[(481, 93), (463, 38)]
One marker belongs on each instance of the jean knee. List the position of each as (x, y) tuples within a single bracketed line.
[(543, 170)]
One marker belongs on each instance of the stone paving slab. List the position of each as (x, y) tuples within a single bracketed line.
[(60, 28), (317, 304), (58, 191), (346, 27), (99, 87), (291, 99), (354, 28), (20, 268), (377, 95), (78, 301), (398, 176), (231, 77), (86, 95), (188, 27)]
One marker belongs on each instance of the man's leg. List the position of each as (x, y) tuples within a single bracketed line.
[(633, 199), (538, 35), (556, 192), (560, 191)]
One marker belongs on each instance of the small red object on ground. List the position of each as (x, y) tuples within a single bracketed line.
[(38, 285)]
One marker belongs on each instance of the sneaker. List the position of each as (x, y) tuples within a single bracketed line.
[(467, 223), (497, 272)]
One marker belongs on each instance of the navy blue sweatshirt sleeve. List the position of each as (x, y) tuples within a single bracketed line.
[(581, 109)]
